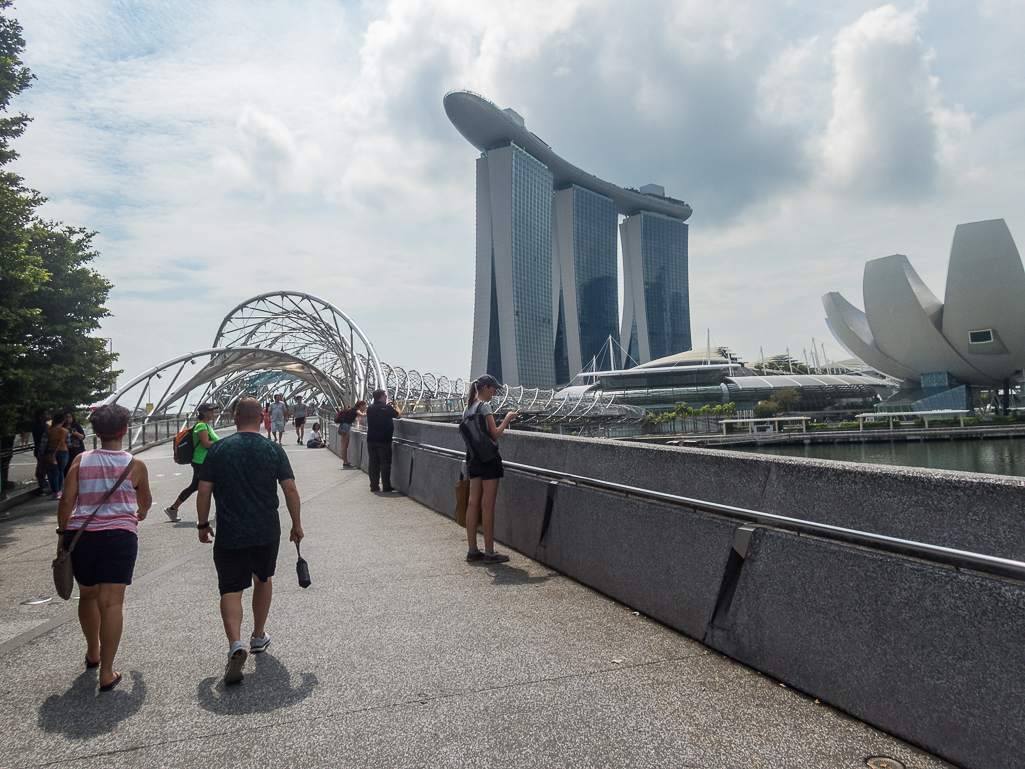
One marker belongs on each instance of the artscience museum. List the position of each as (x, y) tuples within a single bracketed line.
[(947, 351)]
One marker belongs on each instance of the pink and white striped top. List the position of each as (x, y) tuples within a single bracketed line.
[(98, 470)]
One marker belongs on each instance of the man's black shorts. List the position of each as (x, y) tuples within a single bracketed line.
[(300, 421), (236, 567)]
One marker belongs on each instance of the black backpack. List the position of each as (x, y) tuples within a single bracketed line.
[(479, 443)]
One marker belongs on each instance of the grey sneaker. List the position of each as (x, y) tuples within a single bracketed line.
[(236, 661), (495, 558), (257, 645), (172, 514)]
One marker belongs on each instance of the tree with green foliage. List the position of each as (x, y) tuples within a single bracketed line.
[(785, 398), (50, 300)]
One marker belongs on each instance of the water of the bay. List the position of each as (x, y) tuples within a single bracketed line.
[(1000, 456)]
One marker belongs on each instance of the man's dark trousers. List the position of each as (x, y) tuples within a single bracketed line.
[(379, 455)]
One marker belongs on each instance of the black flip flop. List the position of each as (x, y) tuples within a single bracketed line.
[(112, 684), (90, 665)]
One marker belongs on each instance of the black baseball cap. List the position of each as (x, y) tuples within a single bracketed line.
[(486, 380), (206, 407)]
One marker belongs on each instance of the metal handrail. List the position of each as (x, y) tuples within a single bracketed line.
[(1003, 567)]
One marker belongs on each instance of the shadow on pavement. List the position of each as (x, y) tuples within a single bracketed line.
[(504, 574), (82, 712), (20, 515), (264, 690)]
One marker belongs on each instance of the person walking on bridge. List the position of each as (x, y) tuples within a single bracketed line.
[(242, 473), (299, 418), (381, 418), (278, 416), (40, 432), (56, 456), (484, 476), (266, 419), (203, 437), (103, 559)]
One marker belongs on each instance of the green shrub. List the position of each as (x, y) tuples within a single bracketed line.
[(849, 425)]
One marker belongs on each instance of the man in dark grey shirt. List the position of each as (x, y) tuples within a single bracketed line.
[(380, 427), (299, 418), (242, 473)]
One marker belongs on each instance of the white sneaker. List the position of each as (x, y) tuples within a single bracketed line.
[(257, 645), (236, 661)]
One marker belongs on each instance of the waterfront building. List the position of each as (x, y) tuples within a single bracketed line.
[(584, 241), (656, 290), (941, 350), (513, 324), (715, 376), (545, 301)]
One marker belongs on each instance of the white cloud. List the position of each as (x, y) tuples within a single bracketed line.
[(889, 131), (223, 149), (269, 158)]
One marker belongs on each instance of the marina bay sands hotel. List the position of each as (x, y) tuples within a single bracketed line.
[(546, 301)]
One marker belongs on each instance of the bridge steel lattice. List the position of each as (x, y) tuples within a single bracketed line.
[(295, 343)]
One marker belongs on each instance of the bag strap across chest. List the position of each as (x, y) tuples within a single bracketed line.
[(124, 474)]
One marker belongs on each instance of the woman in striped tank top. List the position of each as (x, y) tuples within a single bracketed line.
[(104, 558)]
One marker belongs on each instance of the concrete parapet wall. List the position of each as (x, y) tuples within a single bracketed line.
[(968, 511), (926, 652)]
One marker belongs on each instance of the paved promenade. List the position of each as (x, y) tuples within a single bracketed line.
[(399, 655)]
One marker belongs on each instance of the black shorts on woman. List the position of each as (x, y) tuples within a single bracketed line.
[(104, 556), (487, 471)]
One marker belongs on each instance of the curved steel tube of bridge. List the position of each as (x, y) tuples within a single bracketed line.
[(295, 343)]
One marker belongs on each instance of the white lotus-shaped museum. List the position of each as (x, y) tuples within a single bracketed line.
[(977, 334)]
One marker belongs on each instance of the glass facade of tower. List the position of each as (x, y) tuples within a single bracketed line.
[(666, 286), (561, 345), (595, 267), (633, 349), (495, 336), (532, 270)]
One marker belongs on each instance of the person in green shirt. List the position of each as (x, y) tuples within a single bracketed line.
[(203, 437)]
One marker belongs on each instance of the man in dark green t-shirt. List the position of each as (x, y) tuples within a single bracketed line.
[(242, 473)]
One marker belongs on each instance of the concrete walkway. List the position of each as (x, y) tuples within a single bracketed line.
[(399, 655)]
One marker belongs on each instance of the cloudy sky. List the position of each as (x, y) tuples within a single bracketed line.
[(224, 148)]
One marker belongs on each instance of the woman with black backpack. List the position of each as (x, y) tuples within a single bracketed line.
[(484, 472)]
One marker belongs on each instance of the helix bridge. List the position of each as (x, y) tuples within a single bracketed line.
[(296, 344)]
